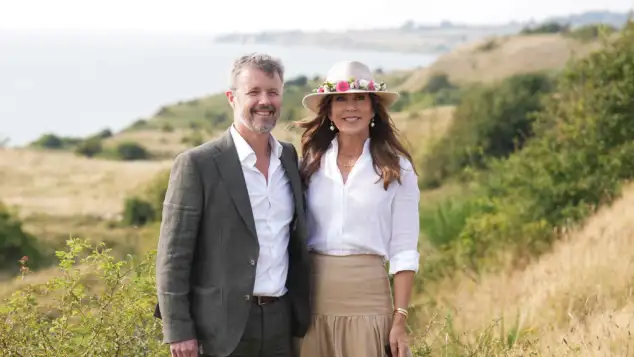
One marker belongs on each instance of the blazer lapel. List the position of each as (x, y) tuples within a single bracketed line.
[(293, 175), (231, 173)]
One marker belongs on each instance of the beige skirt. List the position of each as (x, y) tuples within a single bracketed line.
[(352, 305)]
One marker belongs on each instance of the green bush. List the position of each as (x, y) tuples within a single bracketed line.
[(156, 190), (94, 306), (437, 83), (15, 242), (490, 121), (49, 141), (89, 147), (591, 32), (437, 91), (148, 206), (442, 223), (546, 28), (129, 151), (137, 212), (103, 134), (167, 128), (52, 141), (193, 139), (581, 152)]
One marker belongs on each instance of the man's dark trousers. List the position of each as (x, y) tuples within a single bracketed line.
[(268, 331)]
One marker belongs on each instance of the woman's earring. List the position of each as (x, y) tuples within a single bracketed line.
[(372, 123), (332, 126)]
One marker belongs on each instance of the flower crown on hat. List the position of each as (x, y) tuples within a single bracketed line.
[(344, 86)]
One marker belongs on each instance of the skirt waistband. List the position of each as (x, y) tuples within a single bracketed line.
[(350, 285)]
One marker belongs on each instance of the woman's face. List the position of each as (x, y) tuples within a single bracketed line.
[(351, 113)]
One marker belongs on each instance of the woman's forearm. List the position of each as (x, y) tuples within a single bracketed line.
[(403, 283)]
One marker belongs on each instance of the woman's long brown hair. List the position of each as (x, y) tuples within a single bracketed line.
[(385, 146)]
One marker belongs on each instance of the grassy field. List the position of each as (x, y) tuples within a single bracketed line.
[(64, 184), (574, 301)]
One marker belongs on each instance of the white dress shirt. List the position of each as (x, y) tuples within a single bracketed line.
[(273, 210), (360, 216)]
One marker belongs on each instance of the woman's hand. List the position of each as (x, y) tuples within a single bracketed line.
[(399, 342)]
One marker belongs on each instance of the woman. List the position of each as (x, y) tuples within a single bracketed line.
[(362, 198)]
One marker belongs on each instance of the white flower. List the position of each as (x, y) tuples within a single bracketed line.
[(363, 83)]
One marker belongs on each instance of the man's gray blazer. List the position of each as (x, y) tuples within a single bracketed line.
[(208, 249)]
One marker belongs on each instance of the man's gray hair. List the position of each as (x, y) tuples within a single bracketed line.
[(261, 61)]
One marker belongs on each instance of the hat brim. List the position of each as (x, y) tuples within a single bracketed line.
[(311, 101)]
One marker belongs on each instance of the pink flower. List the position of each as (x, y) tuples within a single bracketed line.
[(371, 85), (342, 86), (320, 90)]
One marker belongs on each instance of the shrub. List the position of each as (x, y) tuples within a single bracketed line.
[(131, 151), (546, 28), (299, 81), (137, 212), (437, 83), (582, 151), (104, 134), (490, 121), (95, 306), (48, 141), (591, 32), (167, 128), (195, 138), (90, 147), (442, 222), (15, 242), (156, 189), (148, 207)]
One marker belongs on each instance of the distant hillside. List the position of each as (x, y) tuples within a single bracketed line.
[(496, 58), (414, 37), (408, 38), (592, 17)]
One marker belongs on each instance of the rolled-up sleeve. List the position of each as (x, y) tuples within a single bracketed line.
[(405, 223), (177, 240)]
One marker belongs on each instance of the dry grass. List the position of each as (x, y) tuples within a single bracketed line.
[(496, 58), (158, 142), (575, 301), (426, 125), (61, 183)]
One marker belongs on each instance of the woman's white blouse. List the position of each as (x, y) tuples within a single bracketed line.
[(360, 216)]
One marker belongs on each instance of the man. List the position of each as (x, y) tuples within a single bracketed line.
[(232, 264)]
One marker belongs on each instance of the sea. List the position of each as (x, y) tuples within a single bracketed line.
[(75, 84)]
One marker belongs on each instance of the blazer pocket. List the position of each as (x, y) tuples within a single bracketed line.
[(206, 305)]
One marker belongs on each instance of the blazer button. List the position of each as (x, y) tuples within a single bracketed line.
[(247, 297), (252, 262)]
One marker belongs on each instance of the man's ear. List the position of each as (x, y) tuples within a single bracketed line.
[(230, 97)]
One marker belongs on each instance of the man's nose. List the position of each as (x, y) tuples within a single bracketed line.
[(264, 99)]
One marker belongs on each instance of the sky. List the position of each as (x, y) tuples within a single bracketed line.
[(222, 16)]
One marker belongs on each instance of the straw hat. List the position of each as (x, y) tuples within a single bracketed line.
[(349, 77)]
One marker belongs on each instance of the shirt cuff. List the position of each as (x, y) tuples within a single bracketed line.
[(405, 260)]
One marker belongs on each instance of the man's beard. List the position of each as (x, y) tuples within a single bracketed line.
[(261, 126)]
